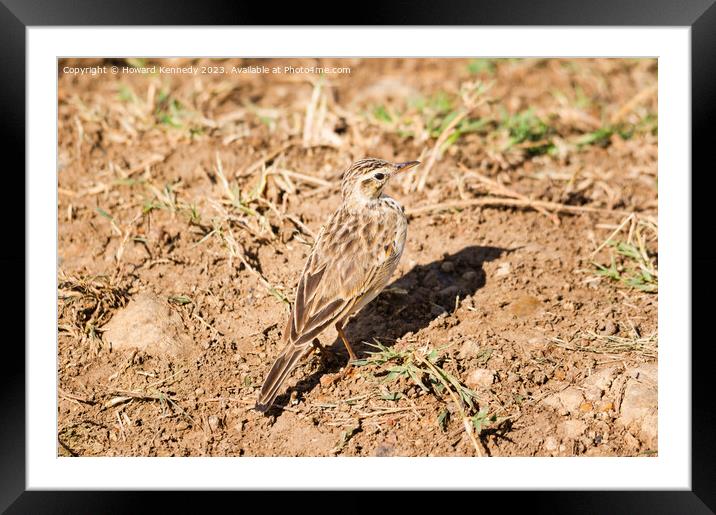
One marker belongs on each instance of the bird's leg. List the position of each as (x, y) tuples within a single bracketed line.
[(346, 343), (322, 352)]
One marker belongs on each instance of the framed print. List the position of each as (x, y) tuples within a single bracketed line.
[(384, 257)]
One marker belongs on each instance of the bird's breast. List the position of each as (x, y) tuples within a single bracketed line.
[(396, 226)]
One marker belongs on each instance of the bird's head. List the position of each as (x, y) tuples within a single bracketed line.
[(366, 178)]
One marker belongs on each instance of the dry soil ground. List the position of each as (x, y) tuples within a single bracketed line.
[(525, 302)]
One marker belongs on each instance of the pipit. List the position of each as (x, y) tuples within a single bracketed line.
[(351, 261)]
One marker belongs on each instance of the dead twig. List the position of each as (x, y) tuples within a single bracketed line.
[(501, 189), (508, 202), (75, 397)]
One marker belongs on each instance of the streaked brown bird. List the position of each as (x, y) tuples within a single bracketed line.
[(351, 261)]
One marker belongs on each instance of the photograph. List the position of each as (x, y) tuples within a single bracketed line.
[(357, 257)]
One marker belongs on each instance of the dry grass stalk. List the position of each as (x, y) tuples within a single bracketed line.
[(467, 424), (508, 202), (501, 189), (471, 100), (637, 99)]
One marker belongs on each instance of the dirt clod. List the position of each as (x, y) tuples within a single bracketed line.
[(573, 429), (149, 324), (481, 378)]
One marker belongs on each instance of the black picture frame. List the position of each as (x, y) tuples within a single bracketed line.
[(700, 15)]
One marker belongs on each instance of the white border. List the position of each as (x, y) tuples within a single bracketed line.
[(671, 469)]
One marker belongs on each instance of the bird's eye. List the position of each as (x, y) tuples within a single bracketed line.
[(379, 176)]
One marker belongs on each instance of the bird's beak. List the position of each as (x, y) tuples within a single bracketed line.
[(402, 167)]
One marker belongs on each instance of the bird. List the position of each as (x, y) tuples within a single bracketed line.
[(352, 259)]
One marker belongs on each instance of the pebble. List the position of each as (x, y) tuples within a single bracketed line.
[(606, 406), (449, 292), (481, 377), (431, 279), (551, 443), (448, 267), (586, 406), (214, 422), (199, 391), (503, 270), (469, 276), (610, 328), (182, 425)]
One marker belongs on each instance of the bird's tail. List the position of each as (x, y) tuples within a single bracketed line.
[(283, 366)]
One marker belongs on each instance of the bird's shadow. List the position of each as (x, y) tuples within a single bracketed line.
[(405, 306)]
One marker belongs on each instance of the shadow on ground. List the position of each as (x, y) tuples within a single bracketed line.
[(405, 306)]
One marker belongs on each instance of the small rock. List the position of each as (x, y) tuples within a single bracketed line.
[(448, 267), (586, 406), (470, 276), (214, 423), (449, 292), (565, 402), (551, 443), (606, 406), (573, 429), (599, 382), (481, 378), (199, 391), (182, 425), (503, 270), (639, 406), (431, 279), (610, 328)]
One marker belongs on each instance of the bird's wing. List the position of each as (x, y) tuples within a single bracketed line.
[(346, 263), (350, 260)]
